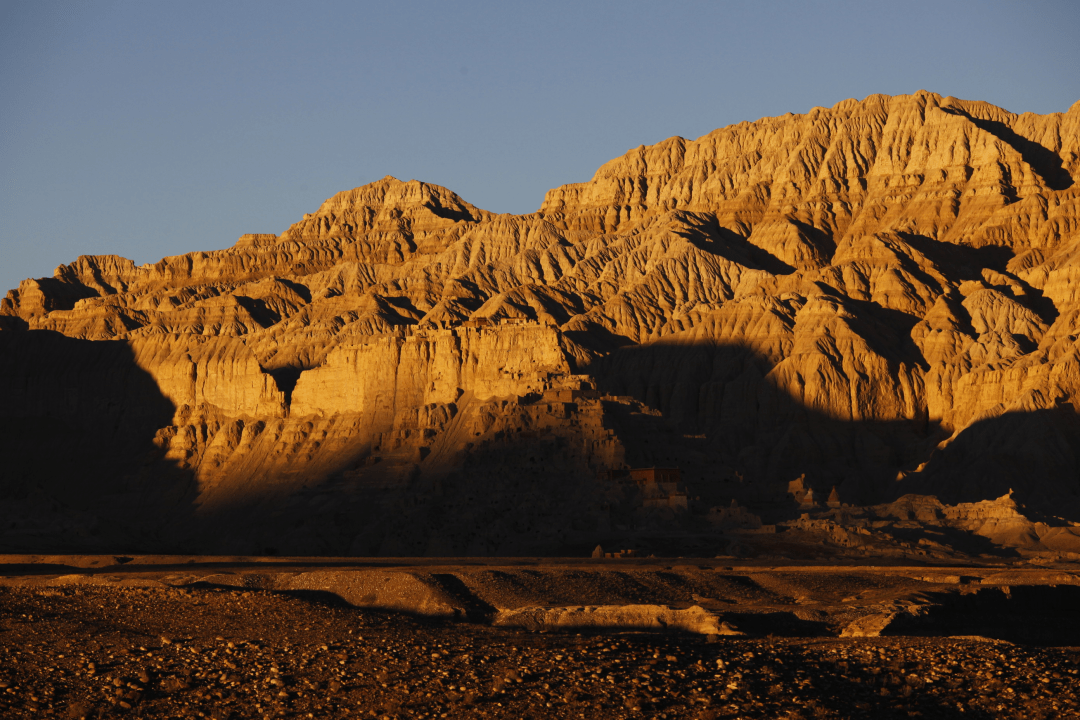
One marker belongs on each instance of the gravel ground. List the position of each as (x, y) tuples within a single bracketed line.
[(90, 652)]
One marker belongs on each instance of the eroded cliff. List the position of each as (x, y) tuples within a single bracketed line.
[(879, 297)]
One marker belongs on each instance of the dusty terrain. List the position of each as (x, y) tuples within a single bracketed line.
[(878, 298), (199, 637)]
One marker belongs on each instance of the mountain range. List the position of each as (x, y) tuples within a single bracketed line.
[(871, 302)]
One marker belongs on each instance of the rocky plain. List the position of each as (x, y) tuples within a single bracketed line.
[(166, 637), (781, 421)]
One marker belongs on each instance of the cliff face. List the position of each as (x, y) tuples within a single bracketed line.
[(881, 296)]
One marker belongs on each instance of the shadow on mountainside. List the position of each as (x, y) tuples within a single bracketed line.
[(756, 431), (710, 409), (1036, 454), (1044, 161), (79, 419), (511, 493), (752, 428), (80, 471), (964, 262)]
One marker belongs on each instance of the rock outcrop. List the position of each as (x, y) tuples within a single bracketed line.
[(880, 296)]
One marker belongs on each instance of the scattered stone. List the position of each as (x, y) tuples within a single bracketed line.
[(428, 669)]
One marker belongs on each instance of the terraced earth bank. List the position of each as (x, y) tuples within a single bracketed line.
[(878, 298)]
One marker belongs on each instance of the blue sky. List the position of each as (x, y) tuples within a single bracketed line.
[(145, 128)]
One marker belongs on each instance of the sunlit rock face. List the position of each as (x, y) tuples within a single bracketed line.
[(881, 297)]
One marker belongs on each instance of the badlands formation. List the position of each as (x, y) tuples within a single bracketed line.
[(854, 332)]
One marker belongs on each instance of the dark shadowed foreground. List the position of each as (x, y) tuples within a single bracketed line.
[(130, 641)]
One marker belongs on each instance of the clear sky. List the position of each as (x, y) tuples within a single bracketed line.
[(145, 128)]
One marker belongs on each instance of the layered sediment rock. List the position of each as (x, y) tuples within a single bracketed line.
[(879, 296)]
